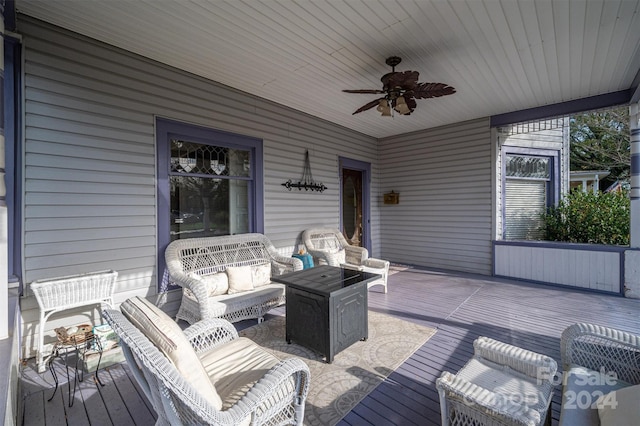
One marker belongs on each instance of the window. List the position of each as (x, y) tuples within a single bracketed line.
[(209, 183), (528, 184), (209, 190)]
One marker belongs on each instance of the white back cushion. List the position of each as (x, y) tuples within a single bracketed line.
[(163, 332)]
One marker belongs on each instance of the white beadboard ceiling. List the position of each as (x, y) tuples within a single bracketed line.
[(501, 56)]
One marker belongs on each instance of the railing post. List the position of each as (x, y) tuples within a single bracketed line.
[(4, 232), (634, 125), (632, 256)]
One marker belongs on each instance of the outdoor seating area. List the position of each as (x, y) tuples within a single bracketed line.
[(477, 319)]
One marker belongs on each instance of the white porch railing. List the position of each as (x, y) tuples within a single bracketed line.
[(586, 266)]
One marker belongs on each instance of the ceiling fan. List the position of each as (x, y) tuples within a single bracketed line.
[(400, 90)]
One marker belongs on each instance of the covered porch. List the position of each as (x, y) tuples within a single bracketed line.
[(461, 307), (89, 84)]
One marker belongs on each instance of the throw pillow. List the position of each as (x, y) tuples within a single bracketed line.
[(620, 407), (261, 274), (216, 283), (240, 279), (167, 335)]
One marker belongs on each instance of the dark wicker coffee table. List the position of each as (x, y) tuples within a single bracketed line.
[(327, 308)]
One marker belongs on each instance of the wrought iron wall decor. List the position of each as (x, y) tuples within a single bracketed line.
[(306, 182)]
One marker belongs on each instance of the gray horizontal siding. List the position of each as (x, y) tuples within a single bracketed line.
[(89, 156), (443, 176)]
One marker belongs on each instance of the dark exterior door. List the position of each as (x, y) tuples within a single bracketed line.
[(352, 206)]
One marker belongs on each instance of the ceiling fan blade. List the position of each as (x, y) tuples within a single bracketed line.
[(366, 91), (368, 106), (405, 80), (432, 90), (411, 103)]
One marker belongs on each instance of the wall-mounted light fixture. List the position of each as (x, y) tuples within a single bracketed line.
[(391, 198)]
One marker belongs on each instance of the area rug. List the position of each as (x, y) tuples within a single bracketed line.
[(338, 387)]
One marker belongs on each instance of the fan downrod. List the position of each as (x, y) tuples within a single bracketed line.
[(392, 61)]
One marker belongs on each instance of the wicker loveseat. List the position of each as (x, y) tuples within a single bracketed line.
[(207, 374), (227, 277)]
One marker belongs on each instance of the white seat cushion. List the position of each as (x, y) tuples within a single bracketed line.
[(496, 378), (163, 332), (620, 407), (580, 391), (235, 367)]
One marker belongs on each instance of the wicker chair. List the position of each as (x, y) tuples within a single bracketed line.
[(329, 247), (596, 360), (253, 387), (500, 385)]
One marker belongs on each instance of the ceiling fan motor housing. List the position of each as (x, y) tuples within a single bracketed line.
[(393, 61)]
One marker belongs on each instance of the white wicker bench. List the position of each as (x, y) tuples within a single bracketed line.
[(193, 262), (62, 293)]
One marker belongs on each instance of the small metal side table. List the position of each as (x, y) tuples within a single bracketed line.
[(79, 343)]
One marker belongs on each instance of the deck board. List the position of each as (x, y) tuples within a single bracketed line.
[(462, 307)]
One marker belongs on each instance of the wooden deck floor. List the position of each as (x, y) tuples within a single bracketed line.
[(462, 307)]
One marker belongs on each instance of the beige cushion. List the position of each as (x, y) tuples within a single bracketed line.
[(587, 384), (261, 274), (235, 367), (163, 332), (620, 407), (340, 256), (240, 279), (216, 284)]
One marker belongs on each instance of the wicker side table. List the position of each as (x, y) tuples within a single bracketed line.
[(59, 294), (501, 384)]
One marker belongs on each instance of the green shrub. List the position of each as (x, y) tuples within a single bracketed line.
[(587, 217)]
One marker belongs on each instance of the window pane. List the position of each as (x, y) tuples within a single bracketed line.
[(191, 157), (528, 167), (525, 201), (203, 207)]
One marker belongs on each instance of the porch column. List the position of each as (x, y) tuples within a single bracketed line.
[(632, 256), (4, 233)]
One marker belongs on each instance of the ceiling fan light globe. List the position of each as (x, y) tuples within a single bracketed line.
[(401, 106), (383, 108)]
